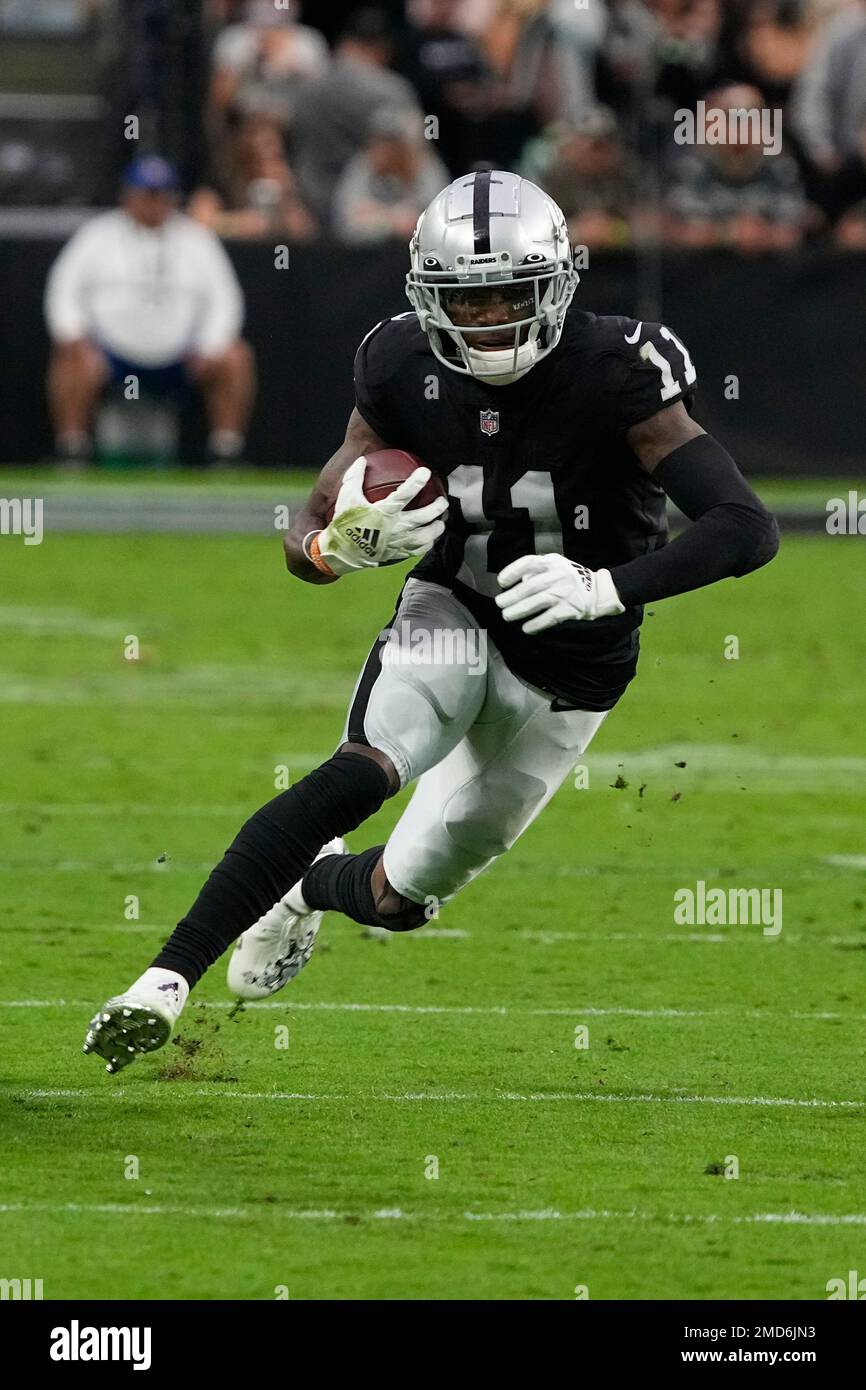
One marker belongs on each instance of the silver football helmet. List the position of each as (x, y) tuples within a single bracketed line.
[(492, 275)]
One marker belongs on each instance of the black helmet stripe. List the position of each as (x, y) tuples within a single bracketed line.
[(481, 212)]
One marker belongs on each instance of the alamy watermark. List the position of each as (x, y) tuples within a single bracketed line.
[(737, 125), (852, 1287), (404, 644), (77, 1343), (22, 516), (846, 516), (23, 1289), (729, 907)]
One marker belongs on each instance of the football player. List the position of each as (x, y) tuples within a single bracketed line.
[(560, 434)]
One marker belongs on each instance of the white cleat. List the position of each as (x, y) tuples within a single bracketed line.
[(141, 1020), (278, 945)]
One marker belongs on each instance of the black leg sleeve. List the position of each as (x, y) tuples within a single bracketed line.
[(344, 882), (272, 851)]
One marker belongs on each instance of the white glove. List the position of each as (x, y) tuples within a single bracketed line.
[(548, 589), (363, 534)]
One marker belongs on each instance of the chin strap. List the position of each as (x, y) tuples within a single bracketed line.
[(475, 357), (504, 378)]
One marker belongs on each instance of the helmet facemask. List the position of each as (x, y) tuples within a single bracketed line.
[(523, 323)]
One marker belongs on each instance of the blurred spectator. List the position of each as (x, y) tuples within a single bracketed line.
[(384, 189), (260, 65), (733, 194), (144, 292), (500, 34), (850, 231), (767, 42), (333, 114), (263, 198), (447, 69), (841, 196), (553, 67), (220, 12), (820, 10), (687, 48), (629, 51), (589, 173), (829, 100)]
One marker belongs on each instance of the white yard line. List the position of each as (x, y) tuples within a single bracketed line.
[(737, 936), (121, 808), (483, 1010), (164, 929), (497, 1010), (36, 621), (732, 760), (106, 866), (726, 765), (273, 1212), (554, 938), (473, 1098)]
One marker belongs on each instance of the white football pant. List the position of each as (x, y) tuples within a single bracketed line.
[(437, 697)]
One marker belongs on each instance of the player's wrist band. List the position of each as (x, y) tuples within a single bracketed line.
[(310, 547)]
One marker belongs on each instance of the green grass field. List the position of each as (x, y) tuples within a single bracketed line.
[(264, 1167)]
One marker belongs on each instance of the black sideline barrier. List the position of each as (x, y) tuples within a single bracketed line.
[(791, 331)]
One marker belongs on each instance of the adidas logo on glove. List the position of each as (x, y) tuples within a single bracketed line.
[(364, 537)]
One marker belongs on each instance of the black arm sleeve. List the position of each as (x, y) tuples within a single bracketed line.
[(733, 533)]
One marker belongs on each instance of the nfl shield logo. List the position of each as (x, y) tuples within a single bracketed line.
[(489, 421)]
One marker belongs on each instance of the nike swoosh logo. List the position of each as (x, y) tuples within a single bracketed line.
[(634, 337)]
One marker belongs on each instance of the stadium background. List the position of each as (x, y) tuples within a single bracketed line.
[(302, 1170), (73, 70)]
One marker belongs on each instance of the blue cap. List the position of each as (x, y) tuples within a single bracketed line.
[(151, 172)]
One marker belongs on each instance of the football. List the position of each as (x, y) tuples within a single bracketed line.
[(388, 468)]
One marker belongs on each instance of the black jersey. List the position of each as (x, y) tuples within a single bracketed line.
[(537, 466)]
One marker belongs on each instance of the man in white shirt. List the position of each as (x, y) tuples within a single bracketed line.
[(144, 292)]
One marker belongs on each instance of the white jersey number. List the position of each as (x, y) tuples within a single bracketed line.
[(532, 494), (670, 387)]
